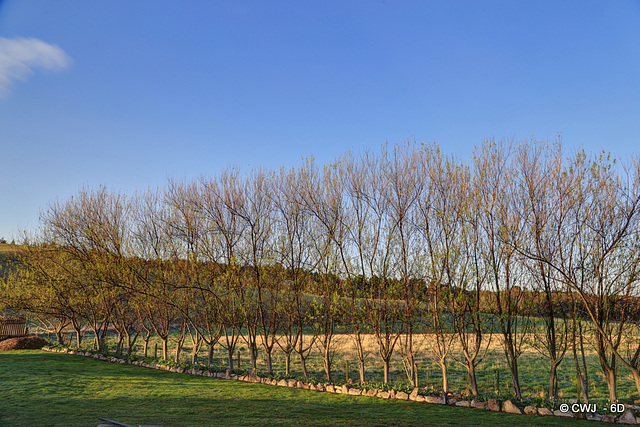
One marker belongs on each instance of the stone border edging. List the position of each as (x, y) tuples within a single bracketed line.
[(494, 405)]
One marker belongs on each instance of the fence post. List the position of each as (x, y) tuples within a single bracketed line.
[(346, 369), (155, 351), (238, 359), (497, 381)]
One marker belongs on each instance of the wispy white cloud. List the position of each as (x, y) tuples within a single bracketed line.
[(19, 56)]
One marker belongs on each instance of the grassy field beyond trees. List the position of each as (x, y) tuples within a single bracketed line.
[(45, 389)]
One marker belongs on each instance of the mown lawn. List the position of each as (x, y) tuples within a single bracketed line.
[(49, 389)]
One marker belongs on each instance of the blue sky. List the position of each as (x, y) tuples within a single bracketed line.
[(126, 93)]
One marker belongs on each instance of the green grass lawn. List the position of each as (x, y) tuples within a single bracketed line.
[(50, 389)]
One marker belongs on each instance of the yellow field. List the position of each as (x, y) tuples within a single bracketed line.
[(8, 248)]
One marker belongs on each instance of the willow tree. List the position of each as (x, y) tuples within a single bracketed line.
[(151, 268), (93, 229), (541, 201), (502, 230), (403, 183), (363, 187), (41, 283), (293, 255), (372, 235), (323, 195), (598, 259), (255, 209), (446, 267), (193, 264), (125, 319), (223, 231)]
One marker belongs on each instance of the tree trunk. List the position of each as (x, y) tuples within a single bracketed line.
[(584, 388), (608, 368), (515, 378), (553, 380), (165, 348), (130, 349), (408, 357), (253, 352), (176, 358), (303, 362), (230, 357), (636, 378), (580, 360), (179, 344), (610, 376), (473, 381), (102, 338), (326, 362), (269, 366), (362, 371), (119, 343), (287, 363), (60, 337), (445, 376), (210, 355), (131, 342), (98, 340), (513, 368), (78, 336), (385, 365), (412, 371)]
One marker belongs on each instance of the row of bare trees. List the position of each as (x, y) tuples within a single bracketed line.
[(527, 244)]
